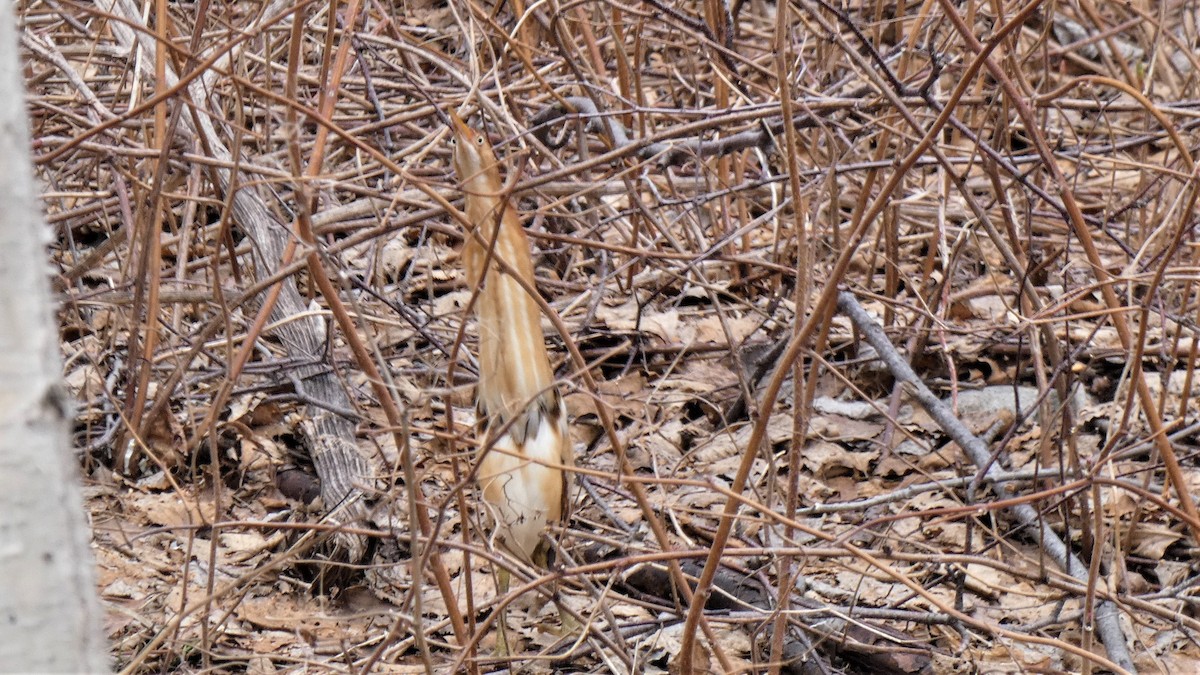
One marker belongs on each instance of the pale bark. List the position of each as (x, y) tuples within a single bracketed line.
[(49, 615)]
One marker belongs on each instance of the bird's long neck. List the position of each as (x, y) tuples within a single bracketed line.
[(514, 365)]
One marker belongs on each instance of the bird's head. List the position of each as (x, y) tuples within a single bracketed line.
[(473, 156)]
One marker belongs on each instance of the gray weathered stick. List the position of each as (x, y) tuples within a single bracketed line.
[(1108, 624)]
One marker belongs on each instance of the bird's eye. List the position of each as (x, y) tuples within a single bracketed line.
[(453, 140), (479, 140)]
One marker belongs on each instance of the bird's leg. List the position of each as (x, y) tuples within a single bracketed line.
[(567, 623), (502, 583)]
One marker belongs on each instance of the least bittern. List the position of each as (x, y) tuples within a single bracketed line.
[(525, 445)]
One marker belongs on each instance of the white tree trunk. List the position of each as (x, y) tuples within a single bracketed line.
[(49, 615)]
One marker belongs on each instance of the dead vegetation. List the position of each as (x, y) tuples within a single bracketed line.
[(260, 284)]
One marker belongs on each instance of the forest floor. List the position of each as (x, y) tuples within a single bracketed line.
[(1008, 192)]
